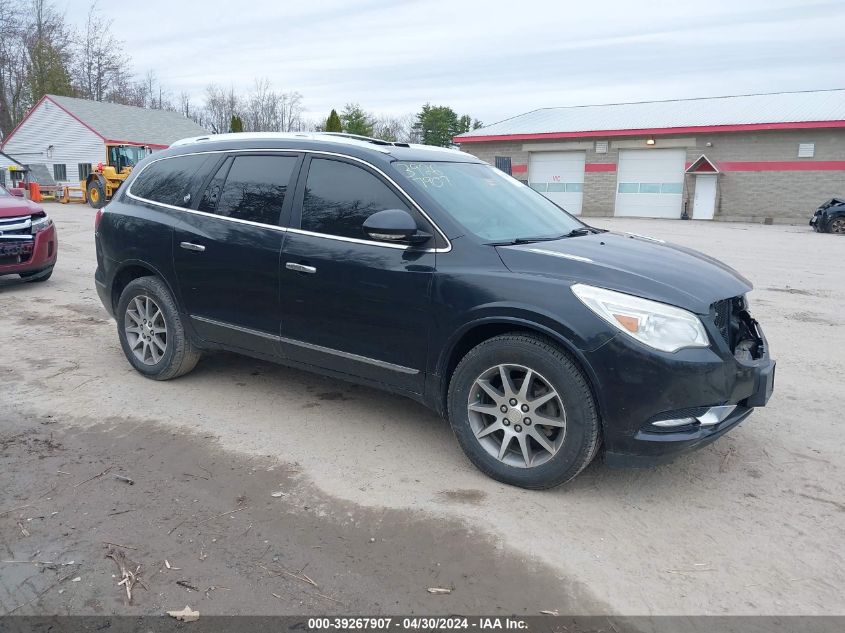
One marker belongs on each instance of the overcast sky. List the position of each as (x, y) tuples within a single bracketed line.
[(487, 58)]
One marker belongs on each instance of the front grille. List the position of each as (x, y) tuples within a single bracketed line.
[(15, 240), (16, 226), (679, 414)]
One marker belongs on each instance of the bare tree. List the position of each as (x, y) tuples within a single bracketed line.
[(220, 106), (99, 61), (394, 128), (290, 112), (13, 76), (49, 45), (266, 110), (261, 111)]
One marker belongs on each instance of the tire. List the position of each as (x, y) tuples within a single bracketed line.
[(41, 275), (575, 444), (147, 300), (837, 226), (96, 195)]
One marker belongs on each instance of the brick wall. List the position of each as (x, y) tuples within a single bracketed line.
[(783, 196)]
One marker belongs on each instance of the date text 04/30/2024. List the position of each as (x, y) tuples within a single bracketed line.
[(416, 623)]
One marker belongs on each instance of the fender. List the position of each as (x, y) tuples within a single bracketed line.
[(547, 324), (119, 267)]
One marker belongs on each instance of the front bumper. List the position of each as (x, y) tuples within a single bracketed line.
[(33, 255), (656, 406)]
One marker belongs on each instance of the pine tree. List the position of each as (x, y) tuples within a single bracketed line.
[(356, 120), (237, 124), (333, 123)]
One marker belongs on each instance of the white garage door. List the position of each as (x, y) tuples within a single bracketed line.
[(559, 176), (650, 183)]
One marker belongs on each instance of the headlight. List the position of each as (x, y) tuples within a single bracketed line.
[(40, 224), (658, 325)]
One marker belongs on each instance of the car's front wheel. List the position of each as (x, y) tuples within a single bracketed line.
[(151, 331), (837, 225), (523, 412)]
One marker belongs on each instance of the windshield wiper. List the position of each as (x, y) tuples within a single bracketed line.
[(548, 238), (523, 240), (578, 232)]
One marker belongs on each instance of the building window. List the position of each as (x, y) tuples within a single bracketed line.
[(806, 150), (601, 147), (504, 163), (84, 170), (59, 172), (650, 187)]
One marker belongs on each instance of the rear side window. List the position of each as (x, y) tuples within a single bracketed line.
[(340, 196), (250, 188), (172, 180)]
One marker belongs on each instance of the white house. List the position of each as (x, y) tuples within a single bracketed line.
[(69, 135)]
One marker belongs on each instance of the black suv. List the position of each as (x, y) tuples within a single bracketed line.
[(429, 273)]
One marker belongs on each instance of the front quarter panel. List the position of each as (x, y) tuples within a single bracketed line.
[(469, 293)]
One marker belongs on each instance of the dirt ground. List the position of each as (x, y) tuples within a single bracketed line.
[(378, 504)]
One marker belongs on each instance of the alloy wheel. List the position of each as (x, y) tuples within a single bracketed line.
[(838, 226), (145, 329), (517, 415)]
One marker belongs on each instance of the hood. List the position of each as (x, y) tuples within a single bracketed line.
[(632, 264), (12, 206)]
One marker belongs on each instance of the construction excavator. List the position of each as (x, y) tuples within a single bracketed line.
[(105, 179)]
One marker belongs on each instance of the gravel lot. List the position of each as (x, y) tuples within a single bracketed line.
[(379, 503)]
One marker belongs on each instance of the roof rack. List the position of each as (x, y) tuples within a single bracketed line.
[(366, 139), (351, 139)]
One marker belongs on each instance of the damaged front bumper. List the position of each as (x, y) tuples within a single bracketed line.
[(690, 398)]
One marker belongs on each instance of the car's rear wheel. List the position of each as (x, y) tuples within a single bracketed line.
[(151, 331), (523, 412), (837, 225)]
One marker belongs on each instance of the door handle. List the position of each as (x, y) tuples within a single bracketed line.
[(188, 246), (300, 268)]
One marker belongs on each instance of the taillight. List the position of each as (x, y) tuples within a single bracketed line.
[(97, 217)]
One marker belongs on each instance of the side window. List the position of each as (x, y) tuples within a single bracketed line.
[(340, 196), (254, 188), (172, 180), (211, 195)]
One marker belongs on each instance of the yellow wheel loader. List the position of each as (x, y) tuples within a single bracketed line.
[(105, 178)]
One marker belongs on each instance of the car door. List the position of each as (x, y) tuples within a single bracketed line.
[(348, 303), (226, 252)]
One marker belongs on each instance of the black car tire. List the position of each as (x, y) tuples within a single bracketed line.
[(581, 441), (39, 275), (837, 226), (180, 355)]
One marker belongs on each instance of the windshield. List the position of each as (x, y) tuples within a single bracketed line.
[(4, 193), (489, 203), (127, 155)]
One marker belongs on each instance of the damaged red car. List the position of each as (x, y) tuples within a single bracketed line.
[(28, 240)]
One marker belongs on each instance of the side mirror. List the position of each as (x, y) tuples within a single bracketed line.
[(17, 192), (394, 225)]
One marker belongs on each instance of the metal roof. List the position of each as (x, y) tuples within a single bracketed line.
[(758, 111), (115, 122)]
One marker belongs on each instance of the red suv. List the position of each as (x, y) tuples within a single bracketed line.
[(28, 240)]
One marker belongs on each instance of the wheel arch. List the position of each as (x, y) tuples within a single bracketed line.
[(476, 332), (128, 272)]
